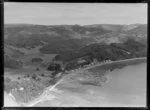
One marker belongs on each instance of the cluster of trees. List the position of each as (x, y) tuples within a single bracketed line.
[(35, 60), (135, 48), (54, 67), (74, 65)]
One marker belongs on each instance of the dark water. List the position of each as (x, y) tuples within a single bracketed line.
[(125, 87)]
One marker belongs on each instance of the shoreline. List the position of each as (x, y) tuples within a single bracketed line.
[(48, 89), (102, 64)]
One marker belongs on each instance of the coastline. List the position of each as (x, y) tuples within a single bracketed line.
[(126, 87), (46, 91), (51, 87)]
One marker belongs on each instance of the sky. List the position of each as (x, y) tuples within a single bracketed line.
[(75, 13)]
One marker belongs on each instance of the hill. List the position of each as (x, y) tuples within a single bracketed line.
[(101, 41), (113, 51), (50, 37)]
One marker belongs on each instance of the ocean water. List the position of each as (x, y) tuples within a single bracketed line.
[(125, 87)]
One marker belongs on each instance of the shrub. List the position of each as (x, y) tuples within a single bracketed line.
[(54, 67)]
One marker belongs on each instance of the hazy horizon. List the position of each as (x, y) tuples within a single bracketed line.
[(68, 24), (75, 13)]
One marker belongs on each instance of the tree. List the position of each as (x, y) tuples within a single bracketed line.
[(54, 67), (34, 76), (37, 59), (37, 69)]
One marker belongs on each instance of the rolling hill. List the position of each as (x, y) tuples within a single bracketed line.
[(113, 51), (30, 36), (73, 41)]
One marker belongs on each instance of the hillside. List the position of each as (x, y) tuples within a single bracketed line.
[(66, 37), (12, 52), (25, 42), (114, 51), (63, 46)]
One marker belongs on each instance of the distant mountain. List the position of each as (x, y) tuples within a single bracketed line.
[(64, 38)]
